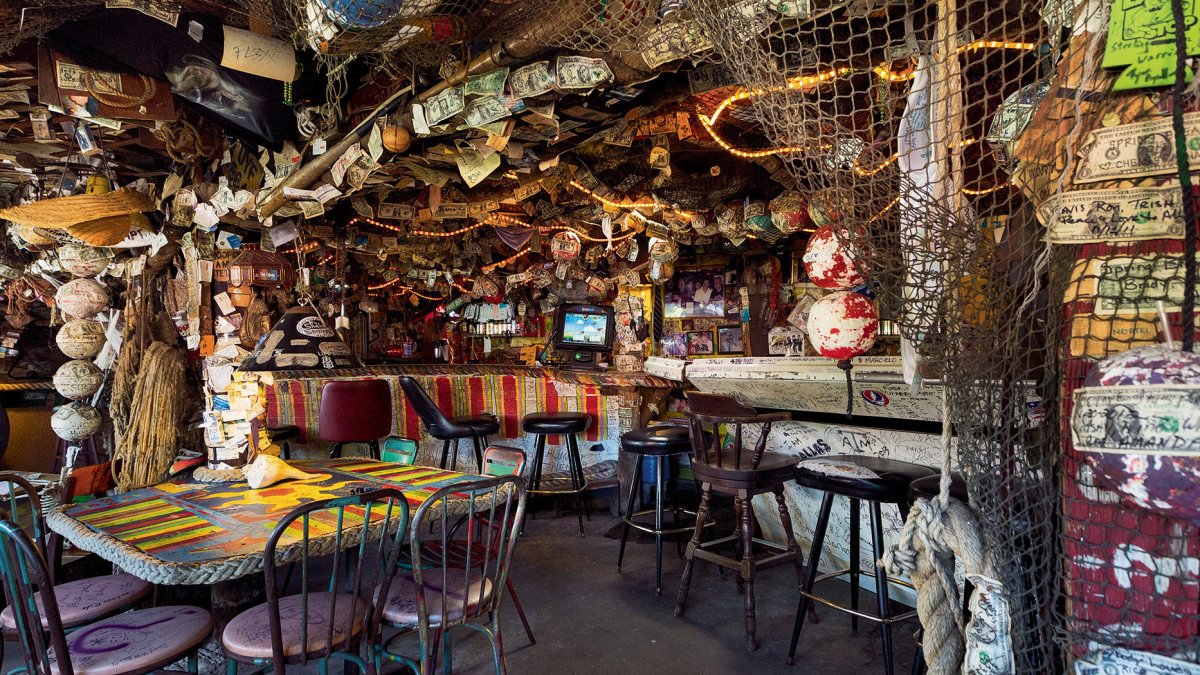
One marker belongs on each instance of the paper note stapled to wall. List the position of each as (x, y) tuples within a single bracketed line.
[(258, 55)]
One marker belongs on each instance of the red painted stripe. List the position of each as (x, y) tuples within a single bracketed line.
[(300, 411), (444, 395), (552, 403), (509, 409), (592, 405)]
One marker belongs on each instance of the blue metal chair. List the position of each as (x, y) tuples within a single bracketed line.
[(346, 550), (456, 590), (128, 644)]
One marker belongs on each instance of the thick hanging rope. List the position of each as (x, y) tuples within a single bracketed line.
[(938, 532)]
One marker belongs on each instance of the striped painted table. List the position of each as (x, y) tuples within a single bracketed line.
[(187, 532)]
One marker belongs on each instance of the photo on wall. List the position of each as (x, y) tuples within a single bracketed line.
[(674, 344), (699, 342), (729, 339), (695, 293)]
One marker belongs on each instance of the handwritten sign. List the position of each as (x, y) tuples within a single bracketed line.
[(1128, 285), (1140, 27), (1133, 214), (258, 55), (1135, 150)]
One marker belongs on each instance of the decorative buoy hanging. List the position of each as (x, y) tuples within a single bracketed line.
[(75, 421), (82, 298), (1136, 421), (81, 338), (830, 260), (841, 326), (78, 379)]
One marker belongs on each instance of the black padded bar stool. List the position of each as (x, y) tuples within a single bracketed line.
[(660, 442), (875, 480), (568, 424), (449, 430), (928, 488)]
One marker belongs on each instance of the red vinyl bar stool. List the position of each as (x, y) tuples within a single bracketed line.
[(355, 411)]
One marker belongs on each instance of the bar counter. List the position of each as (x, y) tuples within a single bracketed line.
[(617, 401)]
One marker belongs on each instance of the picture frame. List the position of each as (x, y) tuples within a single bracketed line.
[(696, 293), (699, 342), (674, 344), (729, 339)]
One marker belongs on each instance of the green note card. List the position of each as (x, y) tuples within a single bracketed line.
[(1140, 28), (1152, 69)]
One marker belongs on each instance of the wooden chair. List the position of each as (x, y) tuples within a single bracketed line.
[(453, 592), (79, 602), (343, 583), (131, 643), (741, 475)]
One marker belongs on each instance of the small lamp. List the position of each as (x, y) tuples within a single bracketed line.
[(260, 268)]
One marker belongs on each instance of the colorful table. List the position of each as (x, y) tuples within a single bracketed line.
[(187, 532)]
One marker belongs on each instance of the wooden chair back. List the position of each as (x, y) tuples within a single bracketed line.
[(372, 525), (708, 412), (25, 576)]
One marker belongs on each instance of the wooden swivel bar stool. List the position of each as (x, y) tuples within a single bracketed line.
[(877, 481), (726, 469), (660, 442), (568, 424)]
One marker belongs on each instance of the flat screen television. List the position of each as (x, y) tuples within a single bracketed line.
[(582, 331)]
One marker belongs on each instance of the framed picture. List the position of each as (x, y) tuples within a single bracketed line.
[(699, 342), (674, 344), (695, 293), (729, 339)]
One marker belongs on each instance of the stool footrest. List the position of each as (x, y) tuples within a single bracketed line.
[(629, 520), (557, 491), (842, 608)]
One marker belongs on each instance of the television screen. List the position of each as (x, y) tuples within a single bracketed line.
[(585, 329)]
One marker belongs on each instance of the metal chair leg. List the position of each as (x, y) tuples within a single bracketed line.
[(445, 453), (689, 555), (855, 554), (539, 453), (881, 587), (479, 442), (633, 489), (336, 451), (810, 578), (512, 593), (573, 464), (658, 523), (672, 491)]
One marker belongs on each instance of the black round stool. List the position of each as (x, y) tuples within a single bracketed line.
[(929, 487), (543, 424), (660, 442), (876, 480)]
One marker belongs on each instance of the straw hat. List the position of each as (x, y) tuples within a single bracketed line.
[(98, 219)]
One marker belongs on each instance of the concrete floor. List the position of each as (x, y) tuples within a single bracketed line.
[(588, 618)]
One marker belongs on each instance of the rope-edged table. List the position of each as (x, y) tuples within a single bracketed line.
[(186, 532)]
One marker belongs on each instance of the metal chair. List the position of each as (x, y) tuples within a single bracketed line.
[(344, 578), (355, 411), (497, 461), (132, 643), (730, 471), (449, 430), (451, 592), (79, 602)]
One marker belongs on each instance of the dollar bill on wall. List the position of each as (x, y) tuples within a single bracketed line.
[(1135, 150), (534, 79), (1129, 214), (445, 105), (581, 72), (490, 83)]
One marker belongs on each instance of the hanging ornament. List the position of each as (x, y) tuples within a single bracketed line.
[(82, 298), (78, 379), (789, 212), (829, 206), (843, 325), (565, 246), (1136, 421), (83, 261), (830, 259), (75, 421), (758, 222)]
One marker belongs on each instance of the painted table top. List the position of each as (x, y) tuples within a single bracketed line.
[(187, 532)]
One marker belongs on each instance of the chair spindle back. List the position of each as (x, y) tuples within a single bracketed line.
[(24, 575), (706, 414)]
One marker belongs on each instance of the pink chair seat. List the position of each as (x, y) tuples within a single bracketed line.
[(249, 634), (137, 641), (86, 600), (401, 605)]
